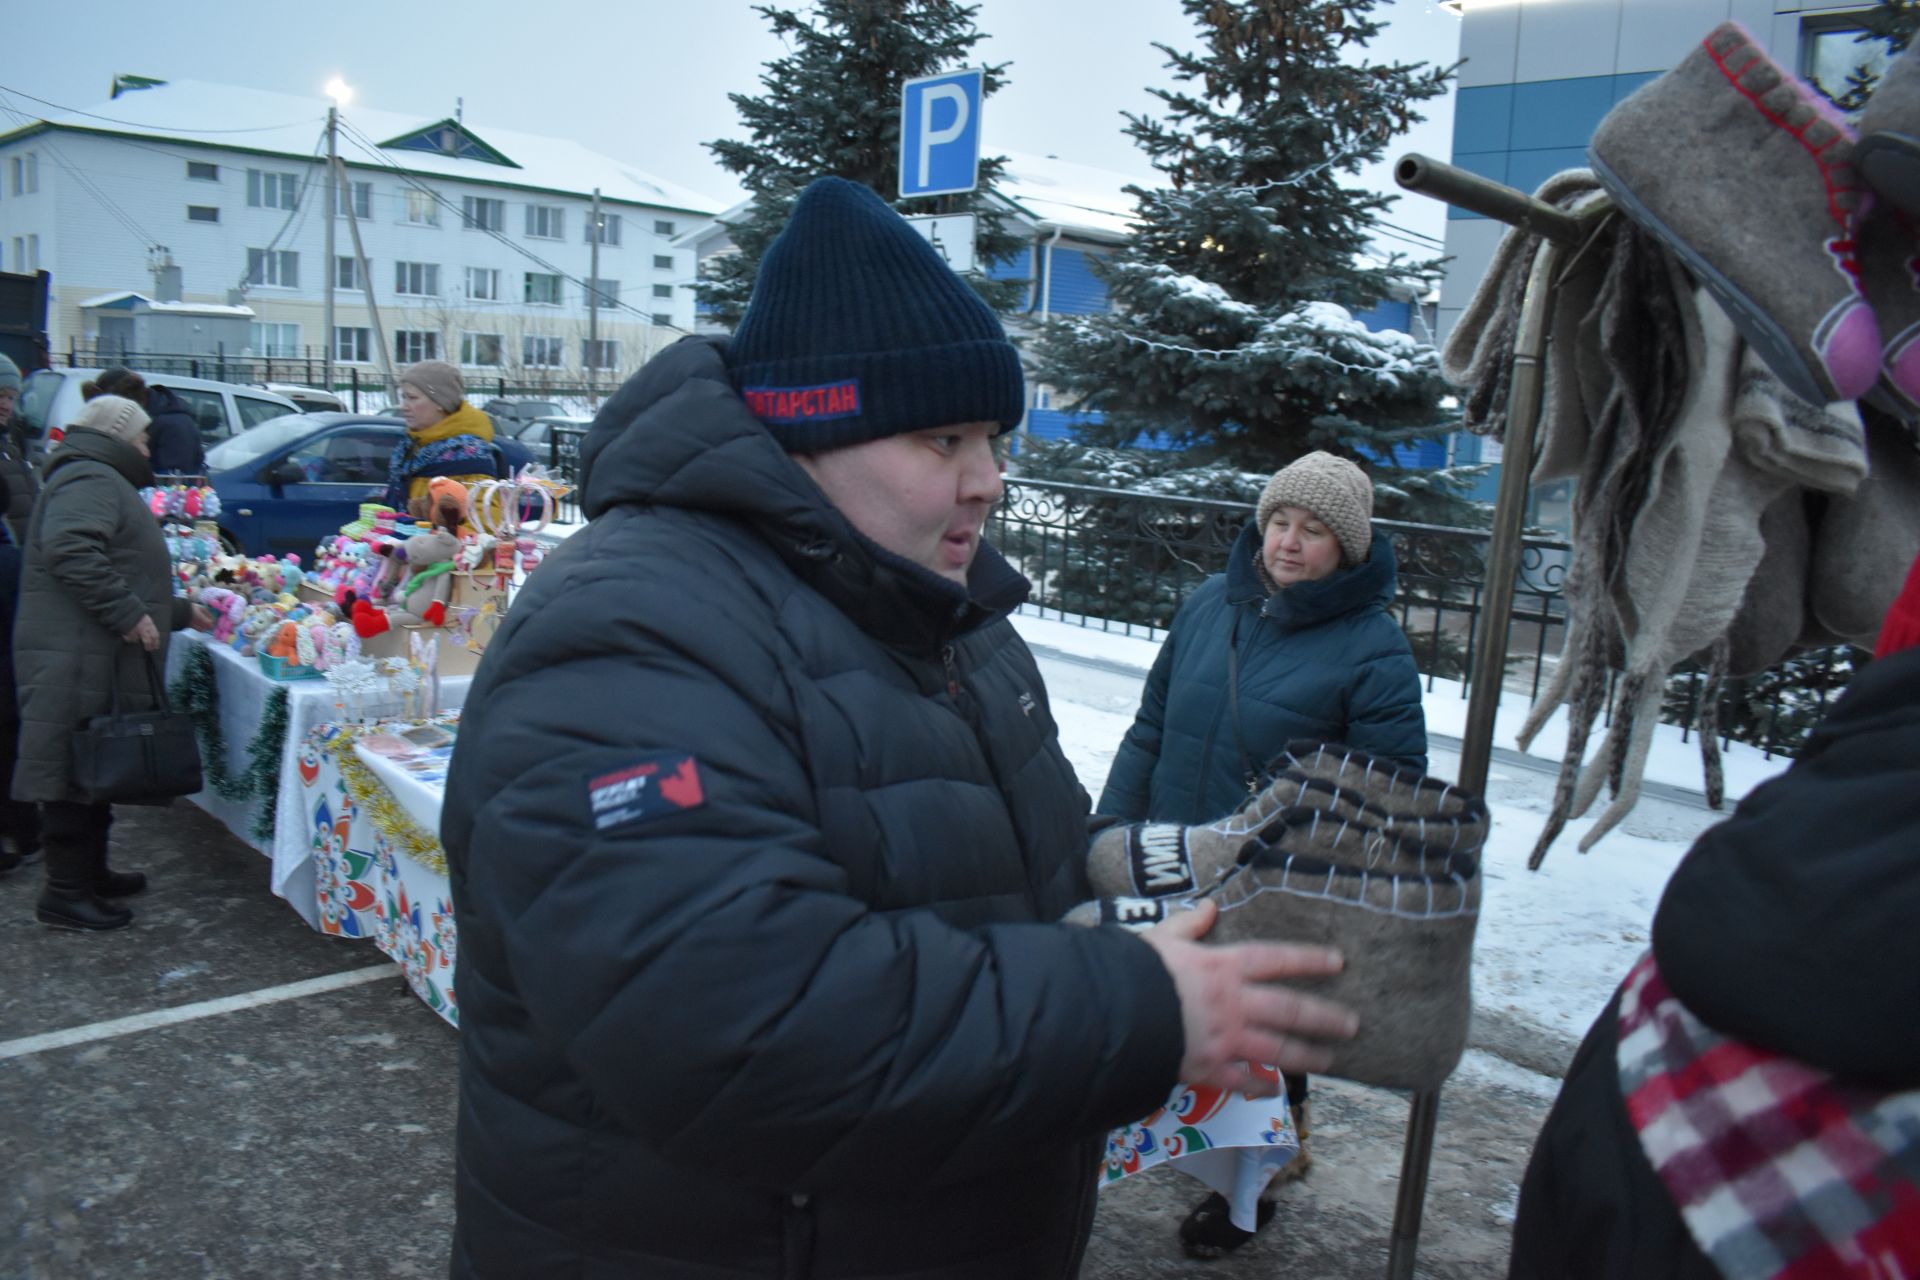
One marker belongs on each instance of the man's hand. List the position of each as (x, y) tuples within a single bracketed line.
[(202, 619), (144, 634), (1232, 1014)]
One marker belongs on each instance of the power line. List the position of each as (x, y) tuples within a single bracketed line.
[(118, 214), (298, 211), (142, 124), (372, 149)]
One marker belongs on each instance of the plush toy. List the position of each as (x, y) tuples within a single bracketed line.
[(227, 607)]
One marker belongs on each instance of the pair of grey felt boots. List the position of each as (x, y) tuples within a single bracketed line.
[(1341, 850), (1803, 228)]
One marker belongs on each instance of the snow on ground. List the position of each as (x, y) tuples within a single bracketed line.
[(1553, 943)]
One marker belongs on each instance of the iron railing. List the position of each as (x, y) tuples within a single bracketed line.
[(563, 463), (1126, 560)]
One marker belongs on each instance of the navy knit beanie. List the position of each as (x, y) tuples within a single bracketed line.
[(857, 329)]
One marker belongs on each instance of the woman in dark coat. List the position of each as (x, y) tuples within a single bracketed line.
[(1293, 641), (96, 608)]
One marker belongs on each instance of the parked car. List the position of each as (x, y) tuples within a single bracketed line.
[(509, 416), (295, 479), (537, 433), (50, 399), (310, 399)]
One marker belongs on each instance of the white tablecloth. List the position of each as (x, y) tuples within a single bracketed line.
[(244, 689)]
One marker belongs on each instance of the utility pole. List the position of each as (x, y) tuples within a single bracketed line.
[(333, 211), (593, 296), (366, 284)]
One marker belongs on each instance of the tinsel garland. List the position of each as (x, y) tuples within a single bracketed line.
[(196, 691), (372, 798)]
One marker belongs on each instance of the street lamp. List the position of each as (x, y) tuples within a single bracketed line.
[(339, 90)]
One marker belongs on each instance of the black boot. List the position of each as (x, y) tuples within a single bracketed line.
[(108, 883), (68, 901)]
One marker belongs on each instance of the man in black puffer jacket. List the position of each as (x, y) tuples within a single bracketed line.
[(175, 435), (758, 824)]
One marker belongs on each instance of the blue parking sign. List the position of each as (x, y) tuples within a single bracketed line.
[(940, 134)]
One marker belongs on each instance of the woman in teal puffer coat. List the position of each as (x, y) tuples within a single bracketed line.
[(1293, 641)]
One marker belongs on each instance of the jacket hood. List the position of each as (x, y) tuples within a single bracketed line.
[(678, 435), (97, 446), (1308, 604), (162, 399)]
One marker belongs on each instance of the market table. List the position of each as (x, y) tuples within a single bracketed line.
[(371, 826), (244, 692)]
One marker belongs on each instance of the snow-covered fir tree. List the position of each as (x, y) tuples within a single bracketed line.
[(1232, 333), (831, 106)]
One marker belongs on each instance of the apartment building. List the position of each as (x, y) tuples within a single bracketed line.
[(478, 242)]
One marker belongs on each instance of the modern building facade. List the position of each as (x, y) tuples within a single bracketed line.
[(478, 241), (1537, 76)]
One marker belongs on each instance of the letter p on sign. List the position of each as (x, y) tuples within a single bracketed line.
[(940, 134)]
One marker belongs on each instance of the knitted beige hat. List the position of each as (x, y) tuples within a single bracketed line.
[(1333, 489), (438, 381), (115, 416)]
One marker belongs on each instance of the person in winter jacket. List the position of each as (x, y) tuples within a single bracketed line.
[(19, 822), (759, 827), (18, 476), (1748, 1103), (446, 436), (1292, 642), (177, 446), (96, 608)]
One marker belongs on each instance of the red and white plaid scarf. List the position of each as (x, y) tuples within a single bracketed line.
[(1779, 1170)]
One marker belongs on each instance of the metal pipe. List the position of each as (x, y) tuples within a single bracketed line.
[(1415, 1157), (1488, 198)]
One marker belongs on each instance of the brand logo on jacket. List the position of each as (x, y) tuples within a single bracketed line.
[(1027, 704), (651, 787), (788, 405)]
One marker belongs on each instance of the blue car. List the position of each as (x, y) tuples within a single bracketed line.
[(291, 481)]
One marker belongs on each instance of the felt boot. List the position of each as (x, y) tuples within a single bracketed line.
[(1864, 543), (1161, 859), (1890, 273), (1388, 797), (1889, 150), (1402, 914), (69, 900), (1748, 176)]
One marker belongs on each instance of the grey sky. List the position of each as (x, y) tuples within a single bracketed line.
[(644, 80)]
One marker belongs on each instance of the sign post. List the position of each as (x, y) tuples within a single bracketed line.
[(940, 134)]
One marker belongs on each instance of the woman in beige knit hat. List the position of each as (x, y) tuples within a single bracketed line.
[(1294, 641), (446, 436)]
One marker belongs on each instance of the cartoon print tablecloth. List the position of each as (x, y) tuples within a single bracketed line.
[(369, 885), (1233, 1143)]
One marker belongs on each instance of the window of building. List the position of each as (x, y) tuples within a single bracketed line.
[(201, 171), (478, 213), (267, 189), (609, 228), (417, 279), (202, 213), (663, 291), (274, 339), (661, 227), (480, 349), (661, 317), (546, 221), (542, 353), (26, 173), (411, 346), (603, 353), (277, 267), (26, 254), (346, 273), (483, 284), (419, 208), (663, 262), (543, 288), (353, 345), (1833, 55), (607, 291), (355, 196)]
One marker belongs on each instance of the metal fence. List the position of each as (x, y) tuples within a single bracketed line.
[(309, 369), (563, 462), (1125, 561)]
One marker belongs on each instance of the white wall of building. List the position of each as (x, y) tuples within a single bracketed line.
[(89, 250)]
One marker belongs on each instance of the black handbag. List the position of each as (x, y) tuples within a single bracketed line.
[(138, 757)]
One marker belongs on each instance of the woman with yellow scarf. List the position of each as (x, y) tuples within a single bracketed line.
[(446, 436)]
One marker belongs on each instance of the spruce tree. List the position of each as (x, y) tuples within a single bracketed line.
[(1231, 333), (831, 106)]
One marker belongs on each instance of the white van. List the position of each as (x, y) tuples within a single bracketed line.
[(50, 399)]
